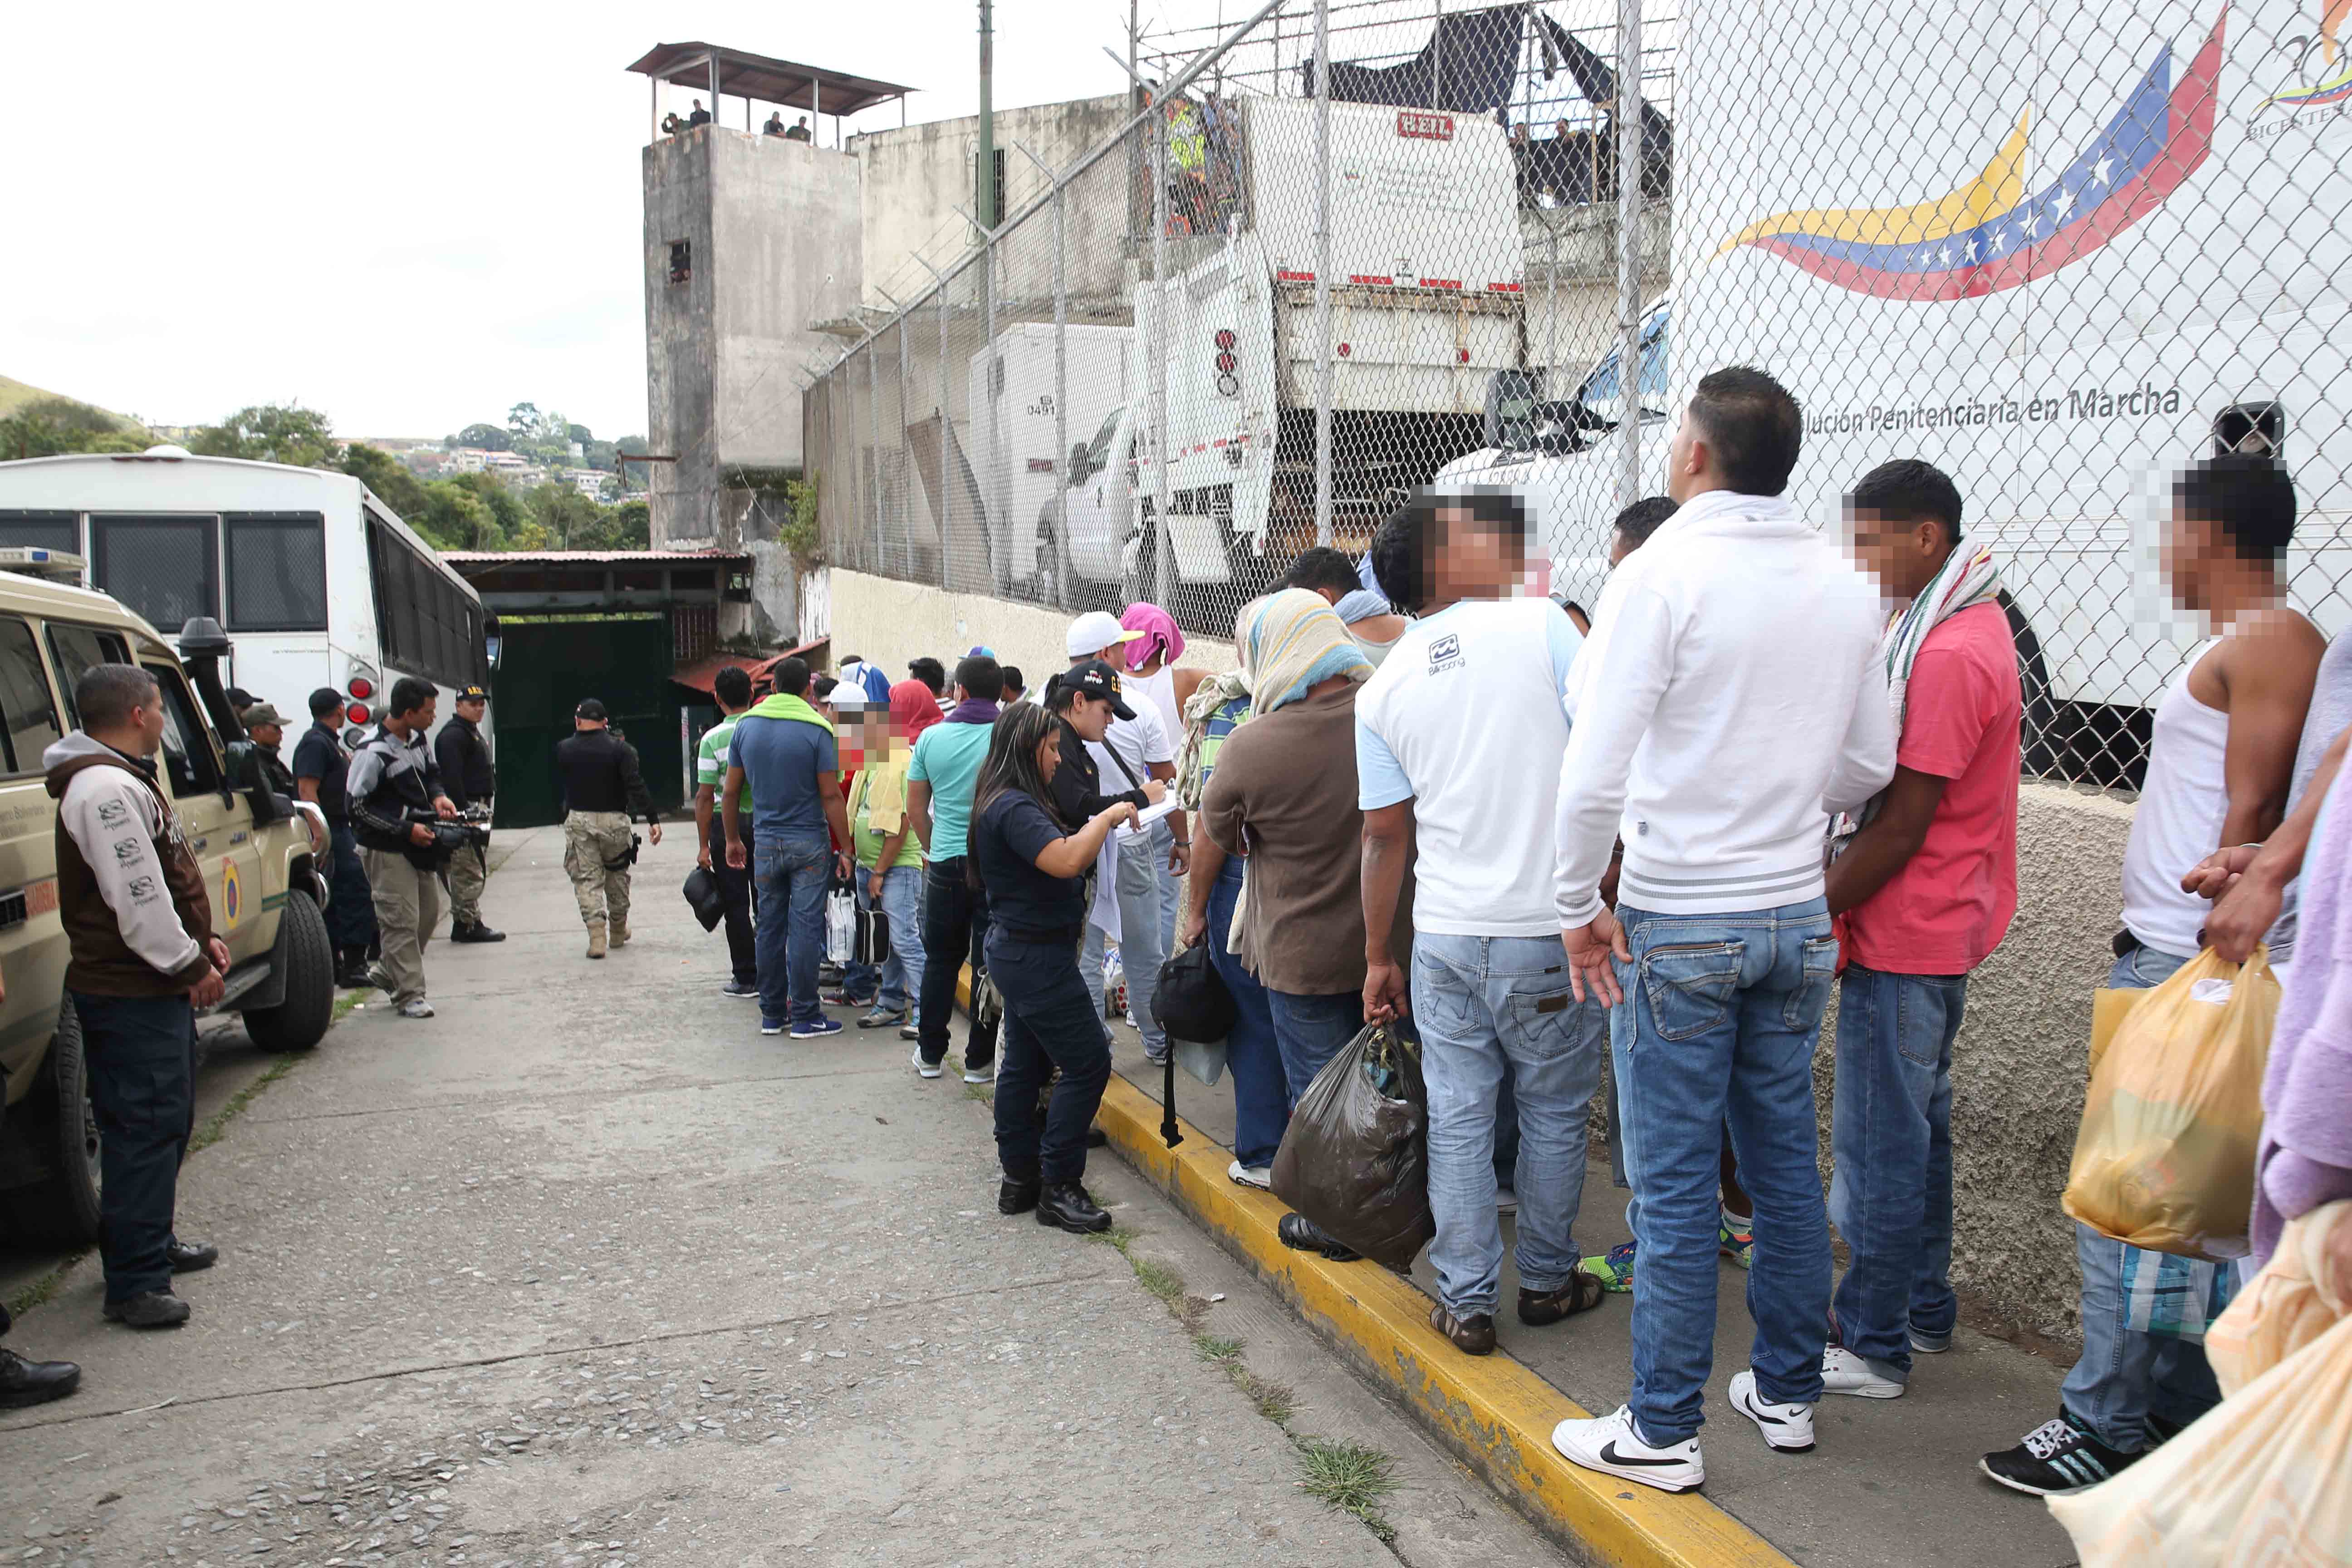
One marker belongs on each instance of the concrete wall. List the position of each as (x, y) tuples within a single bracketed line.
[(915, 177), (774, 227)]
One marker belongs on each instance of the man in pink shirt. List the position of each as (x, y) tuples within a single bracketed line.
[(1924, 890)]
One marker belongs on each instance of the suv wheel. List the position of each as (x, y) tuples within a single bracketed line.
[(61, 1210), (299, 1021)]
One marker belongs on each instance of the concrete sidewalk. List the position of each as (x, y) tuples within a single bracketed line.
[(586, 1270), (1892, 1481)]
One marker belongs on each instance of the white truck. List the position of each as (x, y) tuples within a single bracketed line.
[(1012, 434), (1426, 289), (2088, 277)]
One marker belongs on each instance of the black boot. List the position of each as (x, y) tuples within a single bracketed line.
[(351, 969), (24, 1383), (1067, 1205), (1016, 1197), (478, 931)]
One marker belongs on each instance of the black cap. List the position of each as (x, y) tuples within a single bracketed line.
[(473, 694), (1096, 679), (238, 697), (325, 700), (589, 708)]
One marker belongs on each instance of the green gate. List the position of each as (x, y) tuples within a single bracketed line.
[(547, 665)]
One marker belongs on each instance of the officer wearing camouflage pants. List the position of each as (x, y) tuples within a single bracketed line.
[(464, 756), (603, 793)]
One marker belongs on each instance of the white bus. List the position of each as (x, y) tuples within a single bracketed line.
[(314, 578)]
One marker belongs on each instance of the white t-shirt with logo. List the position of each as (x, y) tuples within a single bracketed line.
[(1467, 719)]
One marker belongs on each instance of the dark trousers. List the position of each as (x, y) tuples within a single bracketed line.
[(735, 893), (351, 907), (1049, 1023), (955, 928), (140, 1053)]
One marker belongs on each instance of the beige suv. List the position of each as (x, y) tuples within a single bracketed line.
[(257, 858)]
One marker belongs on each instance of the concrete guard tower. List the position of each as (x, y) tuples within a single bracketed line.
[(751, 238)]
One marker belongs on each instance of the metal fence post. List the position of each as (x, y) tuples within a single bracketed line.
[(1000, 576), (939, 281), (907, 511), (1165, 574), (1629, 251), (1061, 585), (1323, 271), (873, 423)]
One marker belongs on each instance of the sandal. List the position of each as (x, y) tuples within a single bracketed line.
[(1472, 1335), (1580, 1294)]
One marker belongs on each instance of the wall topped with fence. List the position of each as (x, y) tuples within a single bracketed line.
[(2061, 255)]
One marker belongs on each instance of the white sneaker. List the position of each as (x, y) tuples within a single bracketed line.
[(1787, 1428), (1613, 1445), (1925, 1344), (929, 1069), (981, 1075), (1843, 1371), (1258, 1176), (1506, 1201), (416, 1008)]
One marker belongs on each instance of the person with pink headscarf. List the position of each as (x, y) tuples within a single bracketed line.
[(1150, 658)]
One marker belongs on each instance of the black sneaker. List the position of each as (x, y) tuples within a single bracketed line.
[(2055, 1458), (189, 1256), (148, 1310)]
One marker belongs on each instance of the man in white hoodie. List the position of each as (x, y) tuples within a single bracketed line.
[(1729, 701)]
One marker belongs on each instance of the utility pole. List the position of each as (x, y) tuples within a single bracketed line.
[(985, 204)]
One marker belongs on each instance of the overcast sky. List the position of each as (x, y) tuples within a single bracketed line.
[(408, 217)]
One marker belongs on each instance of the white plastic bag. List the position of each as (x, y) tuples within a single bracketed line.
[(840, 925)]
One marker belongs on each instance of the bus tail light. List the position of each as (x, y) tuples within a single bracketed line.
[(362, 687), (357, 713)]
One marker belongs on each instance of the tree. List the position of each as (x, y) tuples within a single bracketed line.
[(522, 419), (507, 512), (575, 521), (635, 521), (388, 476), (579, 433), (271, 432), (48, 426), (484, 437)]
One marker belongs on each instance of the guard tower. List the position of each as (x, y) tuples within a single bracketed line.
[(751, 238)]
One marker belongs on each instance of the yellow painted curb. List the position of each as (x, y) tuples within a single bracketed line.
[(1491, 1411)]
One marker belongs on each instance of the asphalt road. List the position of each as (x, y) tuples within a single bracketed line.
[(586, 1270)]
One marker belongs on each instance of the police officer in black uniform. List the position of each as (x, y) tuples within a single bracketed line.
[(321, 763), (603, 792), (464, 757)]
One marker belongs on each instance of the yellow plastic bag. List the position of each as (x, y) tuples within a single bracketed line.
[(2266, 1476), (2165, 1159)]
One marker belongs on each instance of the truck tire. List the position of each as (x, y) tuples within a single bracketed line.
[(299, 1021), (62, 1209)]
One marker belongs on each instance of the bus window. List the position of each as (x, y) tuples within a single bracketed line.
[(24, 702), (164, 568), (74, 650), (187, 744), (277, 571), (41, 531)]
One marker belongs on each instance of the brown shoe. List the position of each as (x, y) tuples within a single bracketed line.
[(596, 940), (1580, 1294), (1472, 1335), (621, 935)]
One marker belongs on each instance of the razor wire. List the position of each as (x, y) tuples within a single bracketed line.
[(2060, 253)]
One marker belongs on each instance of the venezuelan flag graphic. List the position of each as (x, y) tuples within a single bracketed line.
[(1988, 235), (2338, 84)]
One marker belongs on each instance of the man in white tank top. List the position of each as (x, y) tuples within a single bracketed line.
[(2219, 767)]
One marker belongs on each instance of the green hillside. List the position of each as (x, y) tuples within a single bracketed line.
[(15, 394)]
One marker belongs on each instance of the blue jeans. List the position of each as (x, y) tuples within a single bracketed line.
[(1048, 1024), (896, 984), (1720, 1018), (1310, 1030), (1262, 1095), (1492, 1008), (790, 875), (1891, 1136), (1140, 952), (141, 1055), (2125, 1375)]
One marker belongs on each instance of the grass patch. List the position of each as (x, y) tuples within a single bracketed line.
[(217, 1124), (1215, 1347), (1275, 1400), (1160, 1280), (47, 1286), (984, 1092), (1349, 1477)]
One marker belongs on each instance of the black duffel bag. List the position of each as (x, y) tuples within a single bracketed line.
[(1192, 1001), (702, 894), (1355, 1160)]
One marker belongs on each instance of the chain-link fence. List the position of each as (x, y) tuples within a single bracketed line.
[(2059, 252)]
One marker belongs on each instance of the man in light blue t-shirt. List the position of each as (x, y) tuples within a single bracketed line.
[(955, 911), (1459, 737)]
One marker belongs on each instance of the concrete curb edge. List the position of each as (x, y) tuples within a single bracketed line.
[(1491, 1412)]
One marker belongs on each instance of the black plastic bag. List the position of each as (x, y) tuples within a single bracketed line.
[(702, 893), (1192, 1001), (1355, 1161)]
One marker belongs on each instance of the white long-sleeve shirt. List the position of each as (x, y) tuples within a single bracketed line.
[(1729, 699)]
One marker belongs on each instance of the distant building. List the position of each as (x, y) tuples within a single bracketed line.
[(467, 460), (588, 482)]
